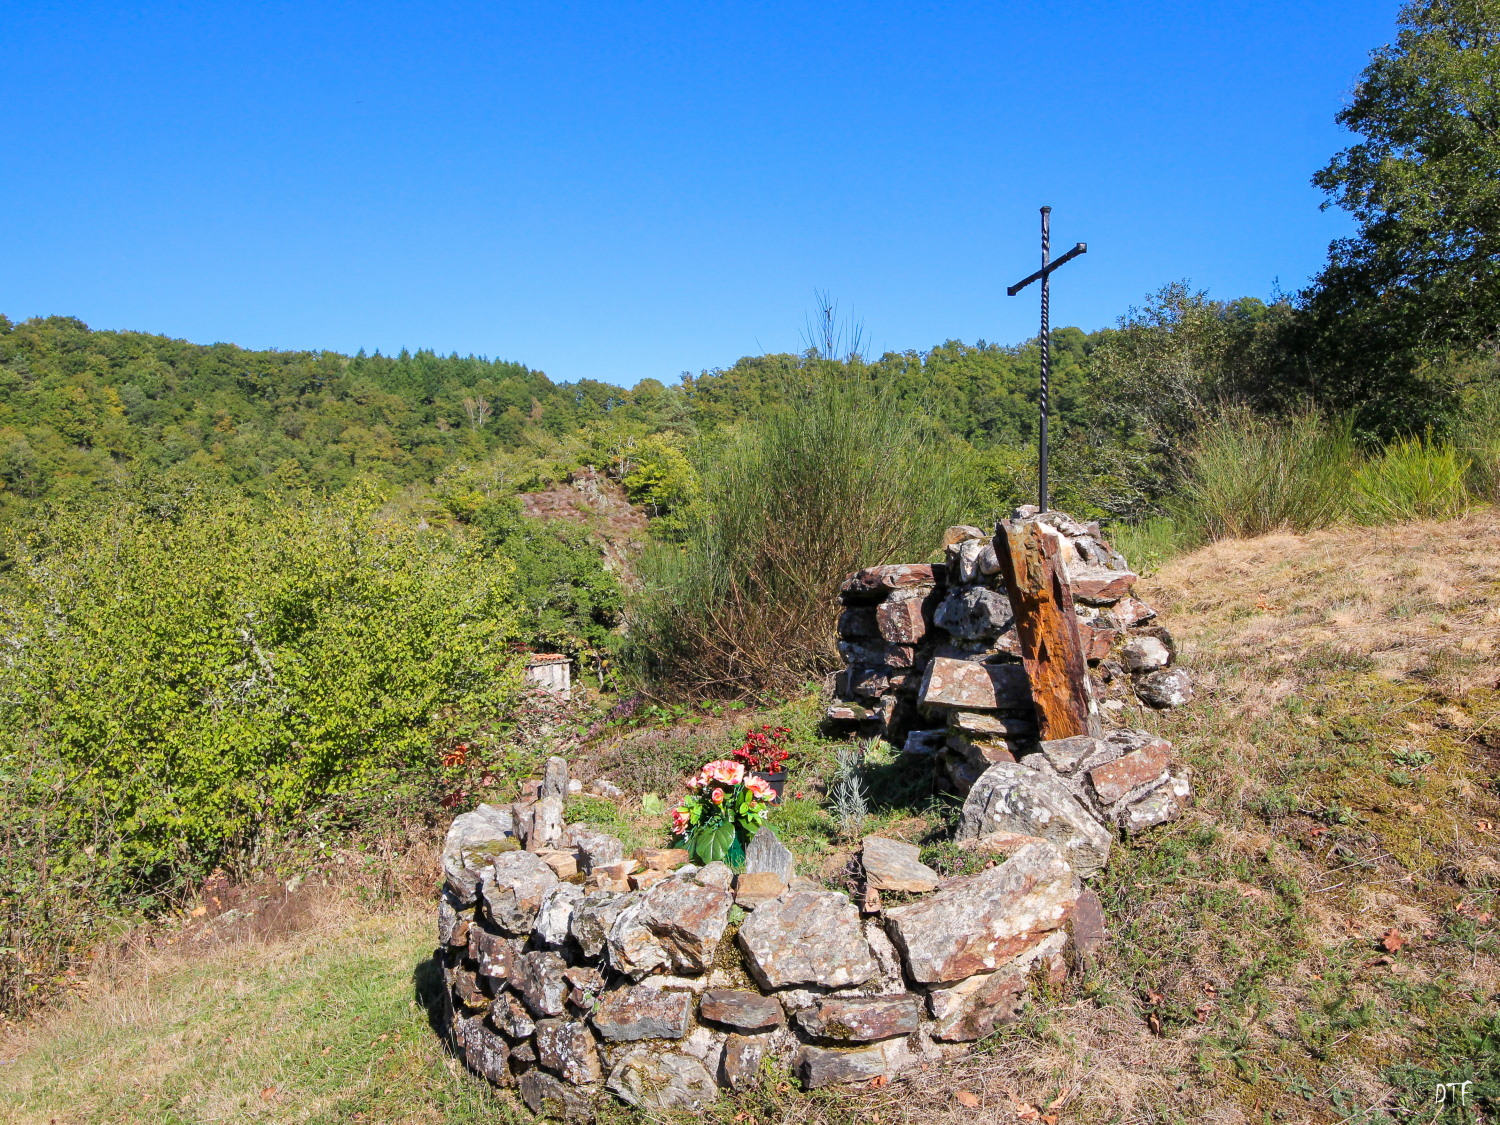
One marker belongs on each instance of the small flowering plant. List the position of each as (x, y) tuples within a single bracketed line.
[(764, 749), (726, 806)]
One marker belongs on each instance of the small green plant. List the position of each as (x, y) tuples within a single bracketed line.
[(848, 795), (726, 807), (1338, 814), (652, 804), (1412, 757)]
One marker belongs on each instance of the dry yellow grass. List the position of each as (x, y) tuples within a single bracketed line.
[(1407, 596), (1346, 744)]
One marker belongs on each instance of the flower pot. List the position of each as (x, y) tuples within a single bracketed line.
[(777, 781)]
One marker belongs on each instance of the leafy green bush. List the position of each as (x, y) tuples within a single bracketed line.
[(1412, 479), (186, 676), (659, 476), (566, 596)]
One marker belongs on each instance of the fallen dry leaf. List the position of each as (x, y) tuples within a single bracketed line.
[(968, 1099), (878, 1081), (1392, 941)]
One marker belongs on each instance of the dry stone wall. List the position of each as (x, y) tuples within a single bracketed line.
[(574, 973)]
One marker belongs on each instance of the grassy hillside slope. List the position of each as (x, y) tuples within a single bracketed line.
[(1316, 941)]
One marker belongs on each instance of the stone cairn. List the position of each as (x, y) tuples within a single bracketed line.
[(573, 972), (937, 644)]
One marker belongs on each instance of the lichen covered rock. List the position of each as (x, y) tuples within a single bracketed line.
[(807, 938), (977, 923), (651, 1079), (638, 1012), (1011, 797), (513, 888), (675, 925), (474, 840)]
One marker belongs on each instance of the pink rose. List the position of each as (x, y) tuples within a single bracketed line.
[(725, 771), (679, 821), (717, 796), (760, 789)]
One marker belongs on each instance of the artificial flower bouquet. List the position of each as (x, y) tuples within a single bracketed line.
[(725, 808)]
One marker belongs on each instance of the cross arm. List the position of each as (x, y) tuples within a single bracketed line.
[(1081, 248)]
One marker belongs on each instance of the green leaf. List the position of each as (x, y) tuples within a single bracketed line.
[(712, 842)]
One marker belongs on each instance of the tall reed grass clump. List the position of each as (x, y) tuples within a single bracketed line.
[(1248, 475), (1412, 479), (1477, 436), (842, 478)]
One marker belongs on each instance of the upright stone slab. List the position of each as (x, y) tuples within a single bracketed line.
[(555, 779), (546, 824), (767, 853), (1051, 648)]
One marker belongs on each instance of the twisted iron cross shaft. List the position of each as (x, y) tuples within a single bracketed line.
[(1046, 342), (1044, 275)]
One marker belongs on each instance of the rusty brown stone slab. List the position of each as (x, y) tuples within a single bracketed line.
[(1052, 650), (1115, 779)]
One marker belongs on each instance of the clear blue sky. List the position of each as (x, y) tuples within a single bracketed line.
[(622, 190)]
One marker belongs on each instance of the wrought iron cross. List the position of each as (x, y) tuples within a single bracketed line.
[(1044, 274)]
